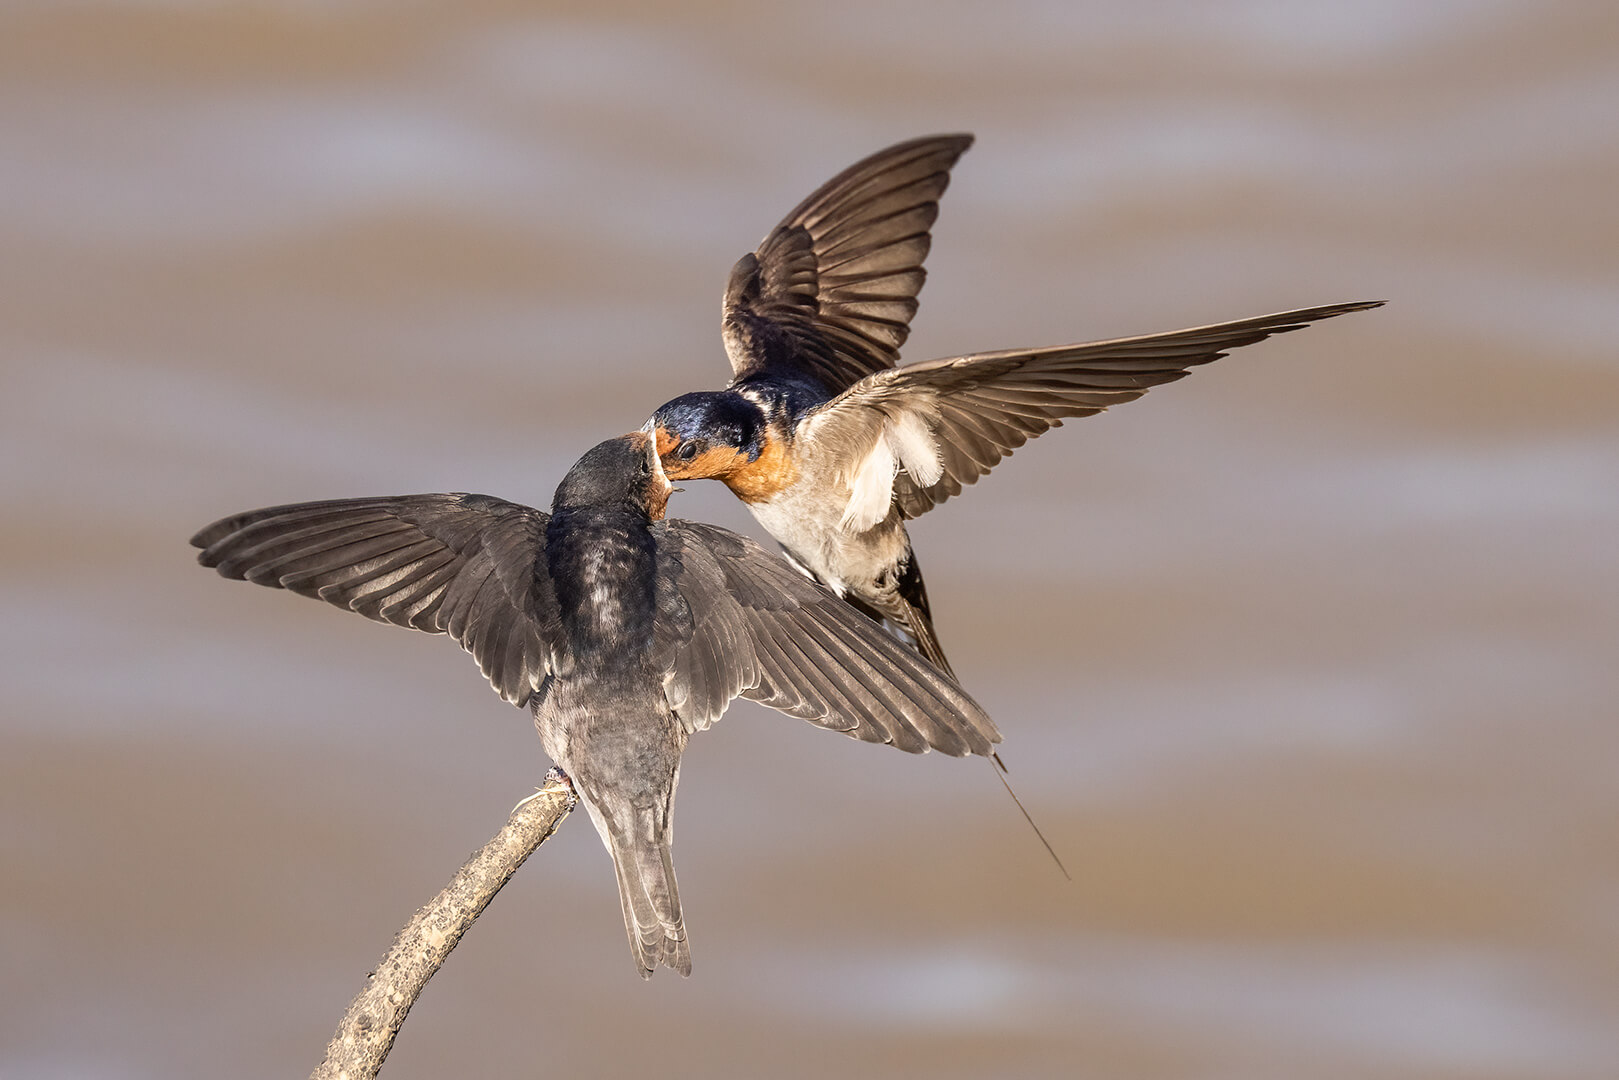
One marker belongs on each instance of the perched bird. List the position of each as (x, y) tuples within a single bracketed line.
[(831, 446), (623, 632)]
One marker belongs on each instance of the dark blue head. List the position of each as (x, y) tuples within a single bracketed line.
[(708, 434)]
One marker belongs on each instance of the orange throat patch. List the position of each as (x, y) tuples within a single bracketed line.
[(771, 473)]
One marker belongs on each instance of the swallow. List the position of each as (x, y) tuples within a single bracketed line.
[(623, 632), (830, 444)]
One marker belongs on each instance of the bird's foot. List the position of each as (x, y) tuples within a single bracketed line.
[(555, 775)]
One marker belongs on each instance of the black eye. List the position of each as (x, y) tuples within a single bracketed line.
[(688, 450)]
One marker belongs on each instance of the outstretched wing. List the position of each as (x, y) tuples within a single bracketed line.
[(945, 423), (463, 565), (831, 291), (736, 620)]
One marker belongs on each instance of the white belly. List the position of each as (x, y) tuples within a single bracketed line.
[(805, 520)]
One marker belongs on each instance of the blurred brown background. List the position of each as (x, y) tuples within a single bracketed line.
[(1307, 663)]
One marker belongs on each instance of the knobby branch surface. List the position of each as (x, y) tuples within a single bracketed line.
[(367, 1030)]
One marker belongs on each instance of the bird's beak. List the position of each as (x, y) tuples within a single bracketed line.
[(651, 431)]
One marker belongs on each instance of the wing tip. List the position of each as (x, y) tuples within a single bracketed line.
[(959, 141), (1284, 322), (1331, 311), (210, 535)]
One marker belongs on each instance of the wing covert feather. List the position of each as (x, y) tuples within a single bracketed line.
[(776, 637)]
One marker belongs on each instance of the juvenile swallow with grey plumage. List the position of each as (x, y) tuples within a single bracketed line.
[(622, 631), (832, 447)]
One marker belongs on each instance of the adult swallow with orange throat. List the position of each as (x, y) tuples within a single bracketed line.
[(830, 444), (623, 632)]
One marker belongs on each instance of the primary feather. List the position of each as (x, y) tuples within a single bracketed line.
[(623, 635)]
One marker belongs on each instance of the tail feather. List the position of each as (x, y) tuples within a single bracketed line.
[(906, 610), (902, 607), (916, 614), (1000, 774), (651, 902), (920, 625)]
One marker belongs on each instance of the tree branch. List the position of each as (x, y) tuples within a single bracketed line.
[(366, 1032)]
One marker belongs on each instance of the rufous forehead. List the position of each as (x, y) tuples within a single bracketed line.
[(667, 440)]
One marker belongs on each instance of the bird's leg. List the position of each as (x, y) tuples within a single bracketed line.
[(556, 773)]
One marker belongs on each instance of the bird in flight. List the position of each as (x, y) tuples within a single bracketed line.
[(830, 444), (622, 631)]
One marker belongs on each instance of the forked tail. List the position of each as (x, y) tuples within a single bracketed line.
[(920, 624)]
